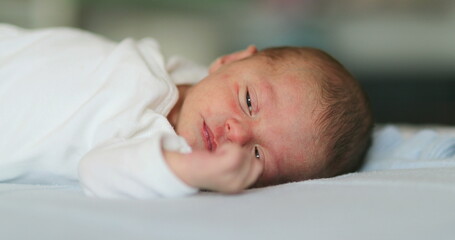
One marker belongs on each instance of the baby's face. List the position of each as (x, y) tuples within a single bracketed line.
[(271, 115)]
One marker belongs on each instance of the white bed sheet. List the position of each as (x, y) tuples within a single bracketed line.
[(385, 204)]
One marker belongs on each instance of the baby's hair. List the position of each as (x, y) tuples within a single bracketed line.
[(345, 120)]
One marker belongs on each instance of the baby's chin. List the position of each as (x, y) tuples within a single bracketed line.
[(195, 145), (189, 140)]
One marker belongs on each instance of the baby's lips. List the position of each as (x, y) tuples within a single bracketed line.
[(212, 145)]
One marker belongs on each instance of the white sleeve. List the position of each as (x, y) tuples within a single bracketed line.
[(7, 30), (133, 168)]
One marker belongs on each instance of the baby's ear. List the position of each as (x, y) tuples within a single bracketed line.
[(250, 50)]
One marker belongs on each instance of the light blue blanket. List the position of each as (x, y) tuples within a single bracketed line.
[(394, 148)]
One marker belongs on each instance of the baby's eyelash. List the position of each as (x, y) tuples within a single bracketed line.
[(256, 153), (248, 102)]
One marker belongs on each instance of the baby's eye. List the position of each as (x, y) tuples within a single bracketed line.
[(248, 102), (256, 153)]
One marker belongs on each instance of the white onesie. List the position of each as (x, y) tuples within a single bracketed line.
[(77, 107)]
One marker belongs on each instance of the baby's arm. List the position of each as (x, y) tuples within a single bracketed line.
[(140, 168), (227, 170), (132, 168)]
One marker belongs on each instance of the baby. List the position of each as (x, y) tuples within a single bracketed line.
[(269, 117), (112, 113)]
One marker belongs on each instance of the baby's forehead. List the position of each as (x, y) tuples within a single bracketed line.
[(299, 87), (294, 129)]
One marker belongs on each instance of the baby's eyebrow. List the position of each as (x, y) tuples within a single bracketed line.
[(266, 93)]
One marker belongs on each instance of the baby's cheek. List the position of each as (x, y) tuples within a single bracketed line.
[(224, 107), (234, 107)]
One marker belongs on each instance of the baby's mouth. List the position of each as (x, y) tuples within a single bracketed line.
[(207, 135)]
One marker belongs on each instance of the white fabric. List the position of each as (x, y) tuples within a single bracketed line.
[(415, 204), (65, 92), (183, 71)]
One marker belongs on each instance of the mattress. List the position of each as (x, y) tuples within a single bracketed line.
[(379, 202)]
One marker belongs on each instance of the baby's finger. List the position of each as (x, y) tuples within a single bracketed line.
[(256, 170)]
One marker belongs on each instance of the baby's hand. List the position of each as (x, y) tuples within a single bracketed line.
[(229, 169)]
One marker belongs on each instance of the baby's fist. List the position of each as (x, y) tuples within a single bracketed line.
[(232, 169), (229, 169)]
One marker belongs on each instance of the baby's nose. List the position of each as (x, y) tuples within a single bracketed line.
[(237, 132)]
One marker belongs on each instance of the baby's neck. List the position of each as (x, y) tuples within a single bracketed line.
[(174, 114)]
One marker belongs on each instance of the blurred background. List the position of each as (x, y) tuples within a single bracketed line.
[(402, 51)]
